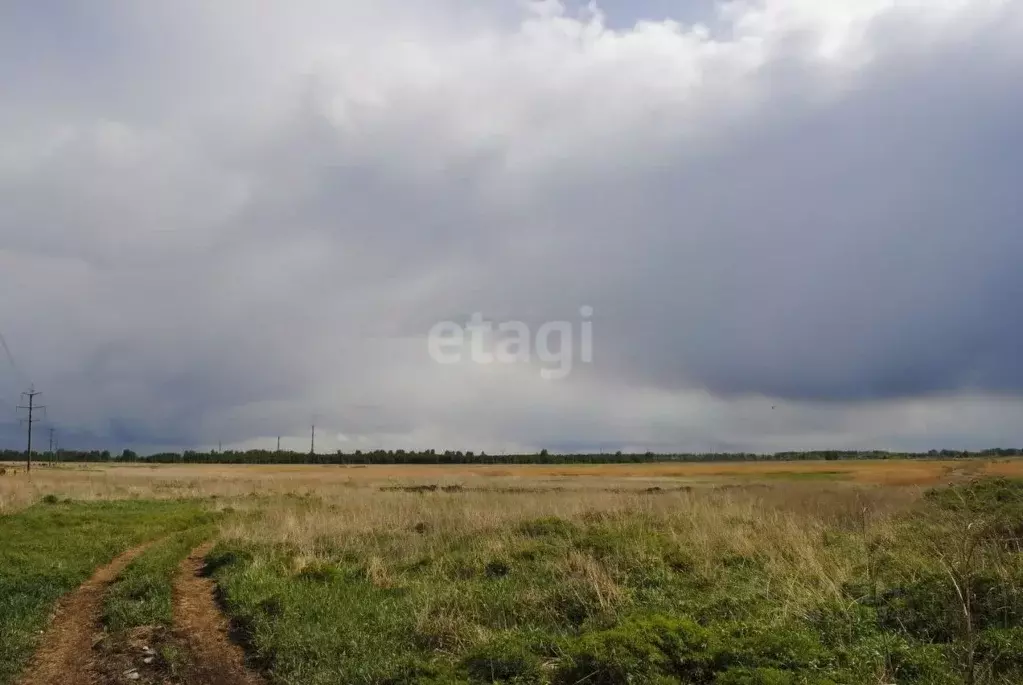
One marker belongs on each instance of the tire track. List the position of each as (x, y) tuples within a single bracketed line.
[(65, 654), (200, 625)]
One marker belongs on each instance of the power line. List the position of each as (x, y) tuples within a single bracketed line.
[(10, 357), (14, 367)]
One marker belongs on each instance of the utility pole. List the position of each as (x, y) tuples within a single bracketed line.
[(52, 432), (31, 407), (278, 445), (312, 441)]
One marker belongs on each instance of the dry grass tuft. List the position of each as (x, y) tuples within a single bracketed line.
[(593, 573)]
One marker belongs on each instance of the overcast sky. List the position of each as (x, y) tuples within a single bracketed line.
[(798, 223)]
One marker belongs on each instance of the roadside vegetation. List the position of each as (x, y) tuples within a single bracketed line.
[(50, 548)]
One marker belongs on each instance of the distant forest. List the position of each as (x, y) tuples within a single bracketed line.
[(456, 457)]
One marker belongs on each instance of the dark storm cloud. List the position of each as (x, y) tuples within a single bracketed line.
[(867, 248)]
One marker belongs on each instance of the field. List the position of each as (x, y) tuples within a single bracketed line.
[(801, 572)]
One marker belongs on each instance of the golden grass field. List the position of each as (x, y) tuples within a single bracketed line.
[(118, 481)]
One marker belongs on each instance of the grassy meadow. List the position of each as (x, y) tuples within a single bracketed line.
[(764, 573)]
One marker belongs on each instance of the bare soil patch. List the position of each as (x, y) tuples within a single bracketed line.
[(147, 655), (213, 659)]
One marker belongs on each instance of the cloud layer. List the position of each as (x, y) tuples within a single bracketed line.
[(223, 223)]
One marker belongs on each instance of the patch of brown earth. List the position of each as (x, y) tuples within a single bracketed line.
[(65, 655), (146, 655), (213, 659)]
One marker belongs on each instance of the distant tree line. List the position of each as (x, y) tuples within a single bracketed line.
[(459, 457)]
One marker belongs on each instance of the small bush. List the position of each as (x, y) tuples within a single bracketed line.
[(645, 649), (621, 655)]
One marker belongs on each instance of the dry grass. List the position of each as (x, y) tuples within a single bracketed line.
[(783, 526), (776, 511), (90, 481)]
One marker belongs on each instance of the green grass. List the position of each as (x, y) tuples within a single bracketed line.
[(619, 599), (142, 594), (52, 547), (521, 617), (460, 617)]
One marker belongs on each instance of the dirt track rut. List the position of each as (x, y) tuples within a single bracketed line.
[(200, 625), (65, 655)]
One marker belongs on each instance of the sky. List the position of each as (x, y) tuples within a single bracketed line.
[(785, 224)]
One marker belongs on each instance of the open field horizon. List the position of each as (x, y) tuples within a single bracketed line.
[(768, 573), (99, 481)]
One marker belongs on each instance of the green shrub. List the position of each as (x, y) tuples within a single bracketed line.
[(929, 608), (788, 648), (981, 496), (639, 651)]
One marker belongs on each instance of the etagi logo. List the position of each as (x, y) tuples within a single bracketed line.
[(512, 342)]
